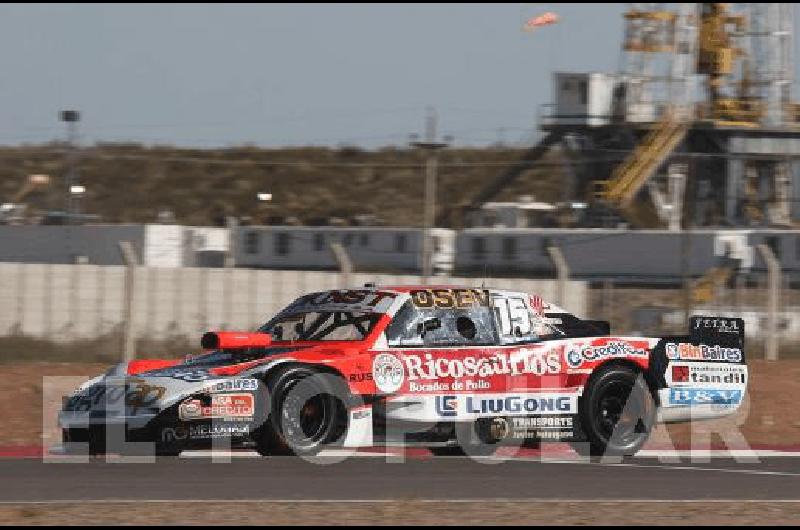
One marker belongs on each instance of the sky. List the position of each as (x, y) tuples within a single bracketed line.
[(293, 74)]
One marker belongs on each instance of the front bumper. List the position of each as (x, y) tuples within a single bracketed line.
[(77, 420)]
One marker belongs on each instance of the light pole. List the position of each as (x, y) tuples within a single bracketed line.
[(76, 192), (71, 118), (431, 146)]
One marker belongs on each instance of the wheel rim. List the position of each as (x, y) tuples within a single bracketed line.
[(619, 414), (305, 419)]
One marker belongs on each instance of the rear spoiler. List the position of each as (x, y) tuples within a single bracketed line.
[(720, 331)]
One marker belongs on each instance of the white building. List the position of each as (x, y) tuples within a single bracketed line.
[(527, 212), (156, 245), (369, 248)]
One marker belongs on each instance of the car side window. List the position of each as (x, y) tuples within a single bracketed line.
[(441, 327)]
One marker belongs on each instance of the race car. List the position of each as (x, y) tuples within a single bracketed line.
[(457, 370)]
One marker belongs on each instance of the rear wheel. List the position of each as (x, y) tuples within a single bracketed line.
[(306, 412), (616, 412)]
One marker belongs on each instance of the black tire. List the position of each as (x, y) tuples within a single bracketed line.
[(479, 442), (96, 438), (457, 450), (168, 450), (76, 440), (616, 412), (448, 450), (306, 412)]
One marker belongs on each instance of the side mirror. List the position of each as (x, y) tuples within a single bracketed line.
[(429, 325)]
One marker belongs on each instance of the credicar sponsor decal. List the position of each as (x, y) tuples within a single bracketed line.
[(487, 405), (692, 352), (136, 394), (387, 372), (224, 406), (704, 396), (578, 355), (450, 298), (714, 374), (425, 371)]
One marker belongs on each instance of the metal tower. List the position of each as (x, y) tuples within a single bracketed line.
[(697, 127)]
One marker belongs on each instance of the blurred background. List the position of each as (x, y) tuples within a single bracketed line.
[(169, 169)]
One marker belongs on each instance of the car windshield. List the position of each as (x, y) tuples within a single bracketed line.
[(321, 326)]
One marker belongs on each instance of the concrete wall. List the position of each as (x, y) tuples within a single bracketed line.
[(66, 302)]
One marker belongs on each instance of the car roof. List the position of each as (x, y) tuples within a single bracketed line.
[(409, 288), (449, 287)]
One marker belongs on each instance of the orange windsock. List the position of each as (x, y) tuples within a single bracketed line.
[(545, 19)]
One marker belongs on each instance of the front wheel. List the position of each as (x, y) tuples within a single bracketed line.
[(306, 412), (617, 412)]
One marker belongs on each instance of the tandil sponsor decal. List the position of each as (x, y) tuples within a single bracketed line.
[(712, 374)]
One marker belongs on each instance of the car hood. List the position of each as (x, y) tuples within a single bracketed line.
[(151, 391)]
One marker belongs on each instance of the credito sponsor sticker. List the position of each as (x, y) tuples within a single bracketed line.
[(234, 406), (577, 356)]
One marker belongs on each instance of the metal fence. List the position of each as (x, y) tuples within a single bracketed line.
[(67, 303), (70, 302)]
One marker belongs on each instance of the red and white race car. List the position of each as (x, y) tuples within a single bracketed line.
[(452, 369)]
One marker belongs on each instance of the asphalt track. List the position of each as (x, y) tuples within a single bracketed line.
[(378, 478)]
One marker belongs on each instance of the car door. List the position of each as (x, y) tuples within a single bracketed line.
[(485, 346)]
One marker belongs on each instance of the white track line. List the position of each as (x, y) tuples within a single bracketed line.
[(252, 454), (660, 467), (716, 453), (405, 500), (685, 454)]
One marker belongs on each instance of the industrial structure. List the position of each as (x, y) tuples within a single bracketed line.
[(697, 129)]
